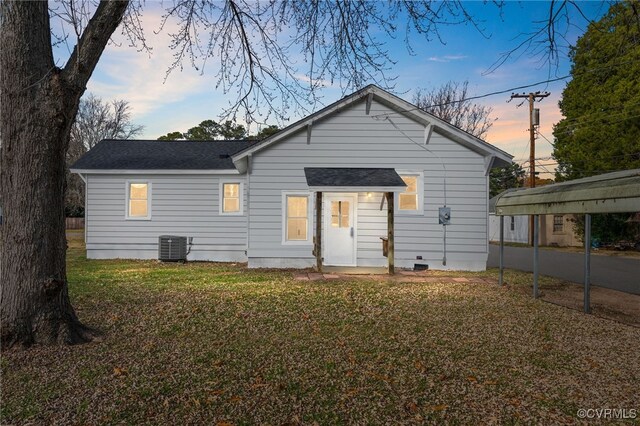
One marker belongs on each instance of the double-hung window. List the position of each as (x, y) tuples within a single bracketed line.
[(410, 200), (296, 218), (230, 198), (558, 223), (138, 200)]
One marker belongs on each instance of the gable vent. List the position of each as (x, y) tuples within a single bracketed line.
[(172, 248)]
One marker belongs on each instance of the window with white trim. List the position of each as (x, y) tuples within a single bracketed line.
[(296, 218), (230, 198), (410, 200), (138, 200)]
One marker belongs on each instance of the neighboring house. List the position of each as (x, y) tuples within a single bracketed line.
[(255, 201), (516, 228), (559, 230), (555, 230)]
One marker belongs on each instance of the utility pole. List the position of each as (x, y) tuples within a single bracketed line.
[(534, 120)]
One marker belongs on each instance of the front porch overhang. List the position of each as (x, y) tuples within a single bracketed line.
[(346, 179), (353, 179)]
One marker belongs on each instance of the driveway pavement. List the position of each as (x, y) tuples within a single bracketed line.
[(614, 272)]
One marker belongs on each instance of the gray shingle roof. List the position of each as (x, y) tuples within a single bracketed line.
[(345, 176), (161, 155)]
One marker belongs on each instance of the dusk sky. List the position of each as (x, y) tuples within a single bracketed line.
[(188, 97)]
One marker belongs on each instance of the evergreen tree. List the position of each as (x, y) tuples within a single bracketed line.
[(600, 130), (601, 106)]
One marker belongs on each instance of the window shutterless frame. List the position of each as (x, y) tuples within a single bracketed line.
[(310, 210), (127, 206), (221, 197), (419, 192)]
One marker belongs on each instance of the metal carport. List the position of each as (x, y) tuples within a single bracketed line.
[(617, 192)]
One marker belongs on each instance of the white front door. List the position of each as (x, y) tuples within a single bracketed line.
[(340, 214)]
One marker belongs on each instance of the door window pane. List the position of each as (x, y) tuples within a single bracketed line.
[(340, 214), (335, 214), (344, 214)]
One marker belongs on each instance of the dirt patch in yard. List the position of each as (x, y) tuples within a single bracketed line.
[(634, 254), (605, 303)]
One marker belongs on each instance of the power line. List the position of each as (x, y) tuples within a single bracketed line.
[(486, 95), (602, 111), (553, 160), (545, 138), (501, 92), (582, 127)]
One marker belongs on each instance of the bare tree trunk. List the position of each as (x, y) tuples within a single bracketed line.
[(38, 102)]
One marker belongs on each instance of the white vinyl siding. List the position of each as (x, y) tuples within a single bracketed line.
[(351, 138), (184, 205)]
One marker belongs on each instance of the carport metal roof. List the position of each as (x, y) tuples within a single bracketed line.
[(617, 192)]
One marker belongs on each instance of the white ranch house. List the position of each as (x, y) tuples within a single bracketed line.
[(256, 202)]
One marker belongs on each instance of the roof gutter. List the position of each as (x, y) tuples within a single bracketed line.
[(156, 171)]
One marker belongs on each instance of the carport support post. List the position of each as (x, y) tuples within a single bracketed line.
[(587, 263), (501, 262), (390, 233), (536, 260), (318, 239)]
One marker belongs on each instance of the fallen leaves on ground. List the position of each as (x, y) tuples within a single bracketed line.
[(207, 343)]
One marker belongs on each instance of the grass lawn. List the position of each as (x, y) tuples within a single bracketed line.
[(207, 343)]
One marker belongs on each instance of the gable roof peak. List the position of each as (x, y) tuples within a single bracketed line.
[(400, 106)]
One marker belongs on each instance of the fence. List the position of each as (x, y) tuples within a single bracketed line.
[(75, 223)]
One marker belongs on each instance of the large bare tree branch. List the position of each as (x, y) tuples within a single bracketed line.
[(548, 40), (93, 40), (283, 51), (450, 103)]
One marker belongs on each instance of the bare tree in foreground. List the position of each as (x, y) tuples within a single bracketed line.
[(449, 103), (38, 104), (255, 42)]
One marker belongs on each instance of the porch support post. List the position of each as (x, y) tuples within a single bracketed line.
[(536, 260), (501, 262), (318, 237), (587, 263), (390, 233)]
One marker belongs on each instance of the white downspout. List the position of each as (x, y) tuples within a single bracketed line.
[(86, 211), (248, 209)]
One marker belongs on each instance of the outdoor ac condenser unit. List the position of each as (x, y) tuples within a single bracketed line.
[(172, 248)]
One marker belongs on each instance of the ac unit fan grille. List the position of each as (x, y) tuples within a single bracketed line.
[(172, 248)]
